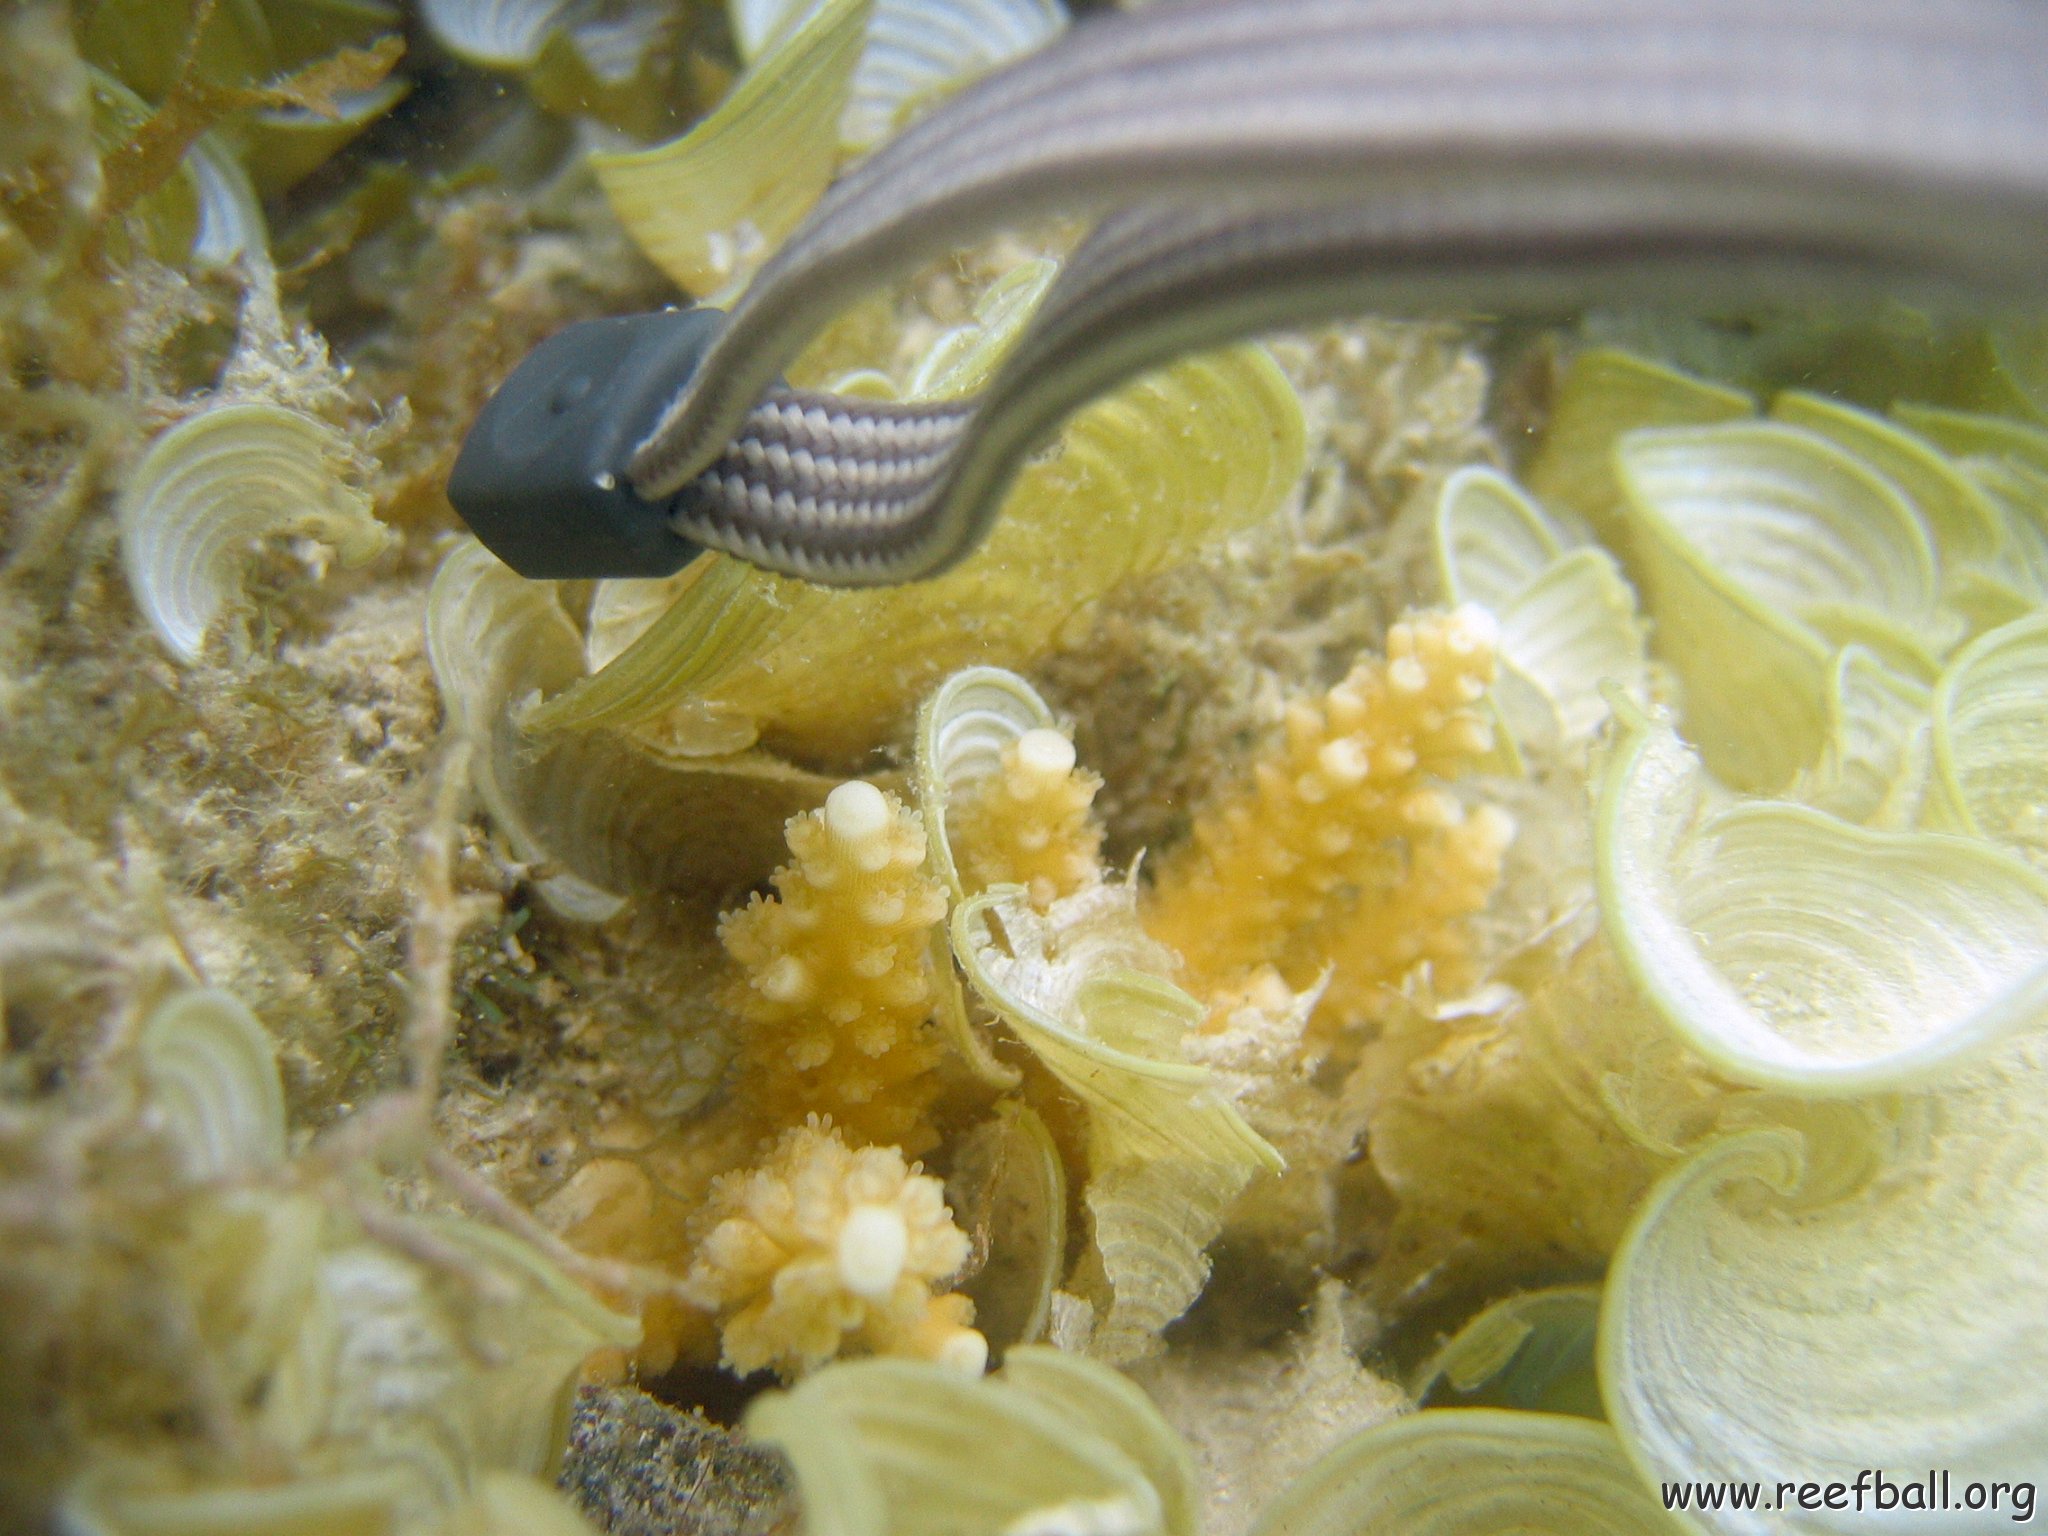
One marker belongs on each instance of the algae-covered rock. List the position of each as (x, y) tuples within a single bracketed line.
[(637, 1467)]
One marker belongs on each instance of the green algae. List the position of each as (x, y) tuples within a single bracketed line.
[(247, 812)]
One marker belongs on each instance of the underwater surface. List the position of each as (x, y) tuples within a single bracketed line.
[(1445, 930)]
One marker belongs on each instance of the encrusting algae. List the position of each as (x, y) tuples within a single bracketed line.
[(1419, 891)]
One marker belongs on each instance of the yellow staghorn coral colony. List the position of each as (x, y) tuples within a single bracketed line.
[(823, 1248), (1349, 863), (836, 984), (1086, 992)]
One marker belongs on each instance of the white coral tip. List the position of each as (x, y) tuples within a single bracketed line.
[(1496, 825), (873, 1245), (966, 1352), (856, 812), (1473, 628), (1045, 753)]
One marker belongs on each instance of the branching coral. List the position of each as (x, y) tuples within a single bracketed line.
[(1349, 852), (1029, 824), (823, 1247), (837, 981), (1079, 985)]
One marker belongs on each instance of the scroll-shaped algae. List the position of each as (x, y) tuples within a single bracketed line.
[(1570, 633), (1961, 519), (577, 58), (916, 51), (514, 34), (1165, 466), (1471, 1472), (1786, 515), (708, 206), (1518, 1140), (2008, 462), (1876, 764), (369, 1389), (895, 1448), (1008, 1189), (1491, 539), (1166, 1153), (1754, 1321), (920, 49), (395, 1404), (1766, 547), (1604, 395), (1795, 950), (1567, 618), (169, 219), (289, 143), (1763, 548), (493, 640), (1532, 1350), (231, 221), (211, 1072), (593, 814), (210, 488), (1991, 739)]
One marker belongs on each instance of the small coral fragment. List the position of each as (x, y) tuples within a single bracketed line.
[(837, 979), (1349, 853), (826, 1247), (1029, 824)]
